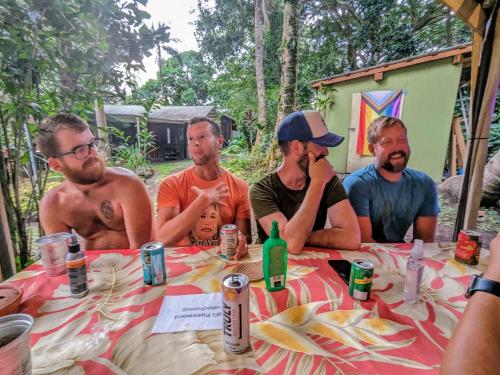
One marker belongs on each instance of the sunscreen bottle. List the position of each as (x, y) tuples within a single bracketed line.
[(274, 260)]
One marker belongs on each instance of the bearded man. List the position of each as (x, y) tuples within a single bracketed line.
[(304, 191), (193, 203), (109, 207), (387, 196)]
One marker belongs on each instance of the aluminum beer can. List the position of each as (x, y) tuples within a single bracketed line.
[(153, 263), (360, 281), (228, 241), (235, 307), (468, 247)]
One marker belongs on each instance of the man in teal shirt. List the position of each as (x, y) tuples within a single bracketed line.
[(388, 197)]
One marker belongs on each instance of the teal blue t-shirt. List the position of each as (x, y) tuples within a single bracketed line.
[(392, 206)]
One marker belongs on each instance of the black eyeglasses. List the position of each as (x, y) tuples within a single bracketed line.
[(82, 151)]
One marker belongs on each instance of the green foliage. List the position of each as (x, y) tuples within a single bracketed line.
[(135, 157), (58, 56), (240, 161), (183, 80)]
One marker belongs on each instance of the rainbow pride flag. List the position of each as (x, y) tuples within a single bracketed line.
[(375, 104)]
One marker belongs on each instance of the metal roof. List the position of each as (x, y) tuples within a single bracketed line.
[(165, 113), (378, 70)]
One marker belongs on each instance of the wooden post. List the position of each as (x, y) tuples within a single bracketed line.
[(460, 138), (482, 133), (453, 158), (7, 258)]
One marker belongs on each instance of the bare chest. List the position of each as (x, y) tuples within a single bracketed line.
[(91, 213)]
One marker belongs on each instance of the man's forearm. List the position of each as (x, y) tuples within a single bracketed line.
[(299, 228), (475, 345), (173, 230), (338, 238)]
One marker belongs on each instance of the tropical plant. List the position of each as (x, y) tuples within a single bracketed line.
[(54, 57)]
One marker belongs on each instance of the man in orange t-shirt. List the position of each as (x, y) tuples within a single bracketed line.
[(194, 203)]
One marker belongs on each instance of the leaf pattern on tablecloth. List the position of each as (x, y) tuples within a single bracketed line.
[(209, 270), (115, 283), (303, 329), (439, 301), (139, 352)]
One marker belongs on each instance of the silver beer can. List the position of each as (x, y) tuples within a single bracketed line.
[(235, 312)]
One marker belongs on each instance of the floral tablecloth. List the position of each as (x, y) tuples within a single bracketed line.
[(313, 326)]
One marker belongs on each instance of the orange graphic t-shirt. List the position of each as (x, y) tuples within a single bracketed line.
[(175, 191)]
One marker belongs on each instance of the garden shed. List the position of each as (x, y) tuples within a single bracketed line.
[(421, 90), (167, 123)]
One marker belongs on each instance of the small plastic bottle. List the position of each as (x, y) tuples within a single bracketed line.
[(77, 269), (274, 260), (414, 272)]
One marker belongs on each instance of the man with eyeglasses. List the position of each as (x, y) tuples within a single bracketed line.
[(387, 196), (109, 207)]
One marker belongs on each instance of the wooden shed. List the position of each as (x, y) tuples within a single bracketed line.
[(167, 123), (424, 91)]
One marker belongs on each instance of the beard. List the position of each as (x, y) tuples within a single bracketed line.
[(304, 163), (201, 160), (92, 171), (396, 168)]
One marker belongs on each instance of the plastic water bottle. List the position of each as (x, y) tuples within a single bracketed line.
[(414, 272)]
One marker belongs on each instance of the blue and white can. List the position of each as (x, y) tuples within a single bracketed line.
[(153, 263)]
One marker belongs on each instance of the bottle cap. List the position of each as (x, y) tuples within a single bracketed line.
[(74, 246), (275, 232), (418, 249)]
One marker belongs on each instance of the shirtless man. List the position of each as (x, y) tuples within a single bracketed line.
[(108, 207)]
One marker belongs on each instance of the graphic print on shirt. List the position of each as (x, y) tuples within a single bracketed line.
[(206, 231)]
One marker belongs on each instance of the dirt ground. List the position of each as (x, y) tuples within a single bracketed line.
[(488, 222)]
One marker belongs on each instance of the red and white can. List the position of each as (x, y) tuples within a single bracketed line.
[(228, 241), (235, 310), (468, 247)]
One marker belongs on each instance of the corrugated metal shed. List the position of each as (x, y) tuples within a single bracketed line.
[(171, 114)]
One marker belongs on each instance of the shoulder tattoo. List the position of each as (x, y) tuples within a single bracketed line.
[(107, 209)]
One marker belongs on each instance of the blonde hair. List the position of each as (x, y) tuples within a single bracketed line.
[(380, 123)]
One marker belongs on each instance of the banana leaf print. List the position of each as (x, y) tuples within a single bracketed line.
[(306, 335), (115, 283)]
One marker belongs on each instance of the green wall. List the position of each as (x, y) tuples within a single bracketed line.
[(431, 90)]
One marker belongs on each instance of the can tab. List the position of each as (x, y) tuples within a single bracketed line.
[(235, 281)]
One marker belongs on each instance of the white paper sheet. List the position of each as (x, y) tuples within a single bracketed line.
[(193, 312)]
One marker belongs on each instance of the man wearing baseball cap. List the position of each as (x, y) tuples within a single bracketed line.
[(304, 191)]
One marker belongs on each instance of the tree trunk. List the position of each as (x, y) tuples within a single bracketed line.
[(259, 64), (491, 182), (288, 84), (290, 43), (100, 119)]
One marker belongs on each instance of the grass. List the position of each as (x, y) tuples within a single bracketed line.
[(165, 169)]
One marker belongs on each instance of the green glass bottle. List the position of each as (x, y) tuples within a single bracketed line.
[(274, 260)]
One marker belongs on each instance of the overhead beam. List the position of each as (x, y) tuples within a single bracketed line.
[(469, 11)]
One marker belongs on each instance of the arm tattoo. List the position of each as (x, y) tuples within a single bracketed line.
[(107, 209)]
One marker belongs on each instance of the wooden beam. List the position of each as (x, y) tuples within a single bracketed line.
[(468, 11), (480, 150), (457, 59), (460, 137), (453, 159), (379, 76)]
